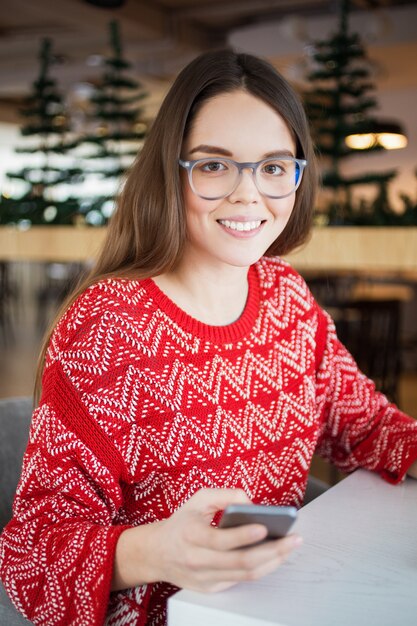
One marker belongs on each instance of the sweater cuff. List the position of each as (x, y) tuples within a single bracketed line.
[(395, 477), (113, 536), (402, 459)]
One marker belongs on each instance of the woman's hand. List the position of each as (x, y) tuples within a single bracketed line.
[(195, 555), (186, 551)]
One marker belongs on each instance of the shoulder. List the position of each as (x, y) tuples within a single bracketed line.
[(287, 299), (107, 303), (280, 282)]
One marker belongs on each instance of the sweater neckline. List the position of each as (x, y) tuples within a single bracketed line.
[(221, 334)]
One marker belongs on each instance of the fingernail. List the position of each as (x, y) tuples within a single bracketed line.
[(297, 541)]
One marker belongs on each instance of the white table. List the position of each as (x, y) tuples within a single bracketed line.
[(357, 566)]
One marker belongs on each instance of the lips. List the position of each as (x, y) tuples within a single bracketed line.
[(241, 226)]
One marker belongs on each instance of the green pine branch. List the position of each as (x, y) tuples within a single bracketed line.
[(127, 115), (334, 180), (118, 64), (113, 136), (119, 82), (341, 109), (354, 90), (47, 98), (331, 74), (43, 84), (102, 98), (43, 129), (111, 172), (47, 149)]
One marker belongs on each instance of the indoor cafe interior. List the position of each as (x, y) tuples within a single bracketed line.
[(81, 82)]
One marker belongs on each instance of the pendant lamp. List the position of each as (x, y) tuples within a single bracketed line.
[(386, 134)]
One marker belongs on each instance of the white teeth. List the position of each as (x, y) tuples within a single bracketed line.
[(241, 226)]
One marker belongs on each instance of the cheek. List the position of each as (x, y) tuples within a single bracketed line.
[(283, 208), (196, 208), (192, 203)]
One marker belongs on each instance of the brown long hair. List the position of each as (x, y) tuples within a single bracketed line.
[(147, 232)]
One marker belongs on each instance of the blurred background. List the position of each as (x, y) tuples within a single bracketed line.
[(80, 84)]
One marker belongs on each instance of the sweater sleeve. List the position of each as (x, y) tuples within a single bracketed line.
[(359, 426), (57, 552)]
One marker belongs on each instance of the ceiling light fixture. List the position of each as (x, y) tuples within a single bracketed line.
[(380, 133)]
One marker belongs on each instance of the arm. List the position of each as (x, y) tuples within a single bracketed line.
[(360, 427), (56, 554)]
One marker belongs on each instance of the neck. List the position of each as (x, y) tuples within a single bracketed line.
[(213, 295)]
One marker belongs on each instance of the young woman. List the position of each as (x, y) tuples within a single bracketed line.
[(191, 371)]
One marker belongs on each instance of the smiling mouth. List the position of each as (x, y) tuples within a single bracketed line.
[(241, 226)]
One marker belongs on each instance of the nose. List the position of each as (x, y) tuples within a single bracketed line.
[(246, 190)]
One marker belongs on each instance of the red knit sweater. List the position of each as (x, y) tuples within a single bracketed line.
[(143, 405)]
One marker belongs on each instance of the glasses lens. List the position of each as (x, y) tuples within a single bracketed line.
[(278, 177), (214, 178)]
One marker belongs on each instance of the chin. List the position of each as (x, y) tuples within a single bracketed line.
[(243, 261)]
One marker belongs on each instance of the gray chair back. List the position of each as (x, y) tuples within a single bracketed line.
[(8, 614), (15, 415)]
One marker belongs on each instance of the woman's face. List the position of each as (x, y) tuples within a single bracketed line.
[(236, 230)]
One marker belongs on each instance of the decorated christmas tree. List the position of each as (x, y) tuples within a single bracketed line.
[(115, 129), (340, 103), (46, 131)]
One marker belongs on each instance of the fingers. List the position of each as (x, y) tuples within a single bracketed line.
[(239, 537), (246, 559), (228, 538), (213, 571)]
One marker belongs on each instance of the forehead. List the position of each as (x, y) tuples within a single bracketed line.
[(240, 123)]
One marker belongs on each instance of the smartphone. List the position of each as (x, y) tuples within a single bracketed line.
[(277, 519)]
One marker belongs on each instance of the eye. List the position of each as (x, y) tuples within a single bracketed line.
[(212, 167), (273, 168)]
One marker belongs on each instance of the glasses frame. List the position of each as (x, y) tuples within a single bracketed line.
[(189, 166)]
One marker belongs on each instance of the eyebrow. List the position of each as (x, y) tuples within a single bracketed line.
[(211, 150), (217, 150)]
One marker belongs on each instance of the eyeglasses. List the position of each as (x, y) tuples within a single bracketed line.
[(214, 179)]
